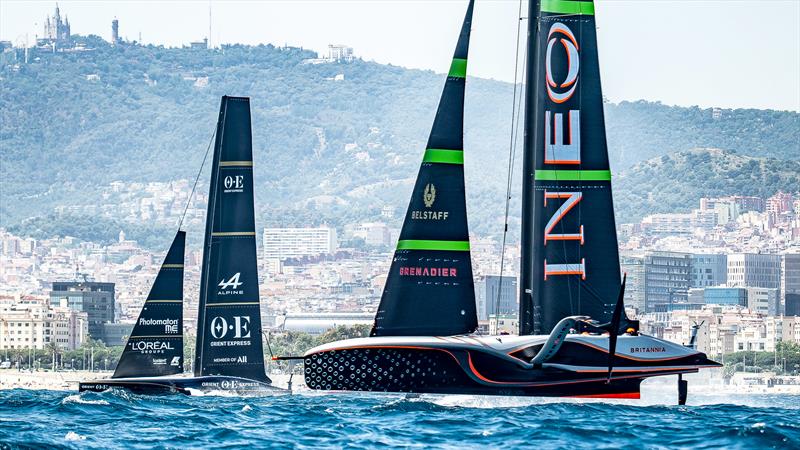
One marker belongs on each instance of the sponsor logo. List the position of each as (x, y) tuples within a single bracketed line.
[(429, 215), (429, 195), (233, 183), (239, 327), (170, 325), (150, 347), (648, 349), (159, 361), (176, 361), (562, 59), (231, 287), (428, 271), (231, 359)]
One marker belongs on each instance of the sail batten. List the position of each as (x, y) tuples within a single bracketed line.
[(429, 289), (155, 346)]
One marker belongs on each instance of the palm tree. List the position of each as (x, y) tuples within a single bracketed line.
[(55, 350)]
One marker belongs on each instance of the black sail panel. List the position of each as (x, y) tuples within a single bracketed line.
[(155, 346), (429, 290), (575, 262), (229, 321)]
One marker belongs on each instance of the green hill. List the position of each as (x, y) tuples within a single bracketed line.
[(325, 149)]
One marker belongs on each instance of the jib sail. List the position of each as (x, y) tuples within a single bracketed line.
[(572, 266), (155, 346), (429, 290), (229, 340)]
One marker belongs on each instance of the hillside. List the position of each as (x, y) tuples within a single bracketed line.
[(325, 150), (674, 183)]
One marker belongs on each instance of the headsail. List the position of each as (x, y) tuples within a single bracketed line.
[(429, 290), (155, 346), (229, 319), (568, 215)]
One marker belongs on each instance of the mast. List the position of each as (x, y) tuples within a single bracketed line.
[(155, 346), (569, 242), (429, 289), (526, 306), (229, 340)]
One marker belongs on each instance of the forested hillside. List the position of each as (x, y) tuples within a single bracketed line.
[(326, 148)]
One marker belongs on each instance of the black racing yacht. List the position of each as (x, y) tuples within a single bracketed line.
[(574, 339), (229, 352), (155, 346)]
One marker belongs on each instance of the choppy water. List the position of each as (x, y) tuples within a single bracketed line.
[(120, 420)]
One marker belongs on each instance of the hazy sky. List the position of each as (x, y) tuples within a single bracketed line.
[(685, 52)]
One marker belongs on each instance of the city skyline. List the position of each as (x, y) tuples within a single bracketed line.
[(718, 62)]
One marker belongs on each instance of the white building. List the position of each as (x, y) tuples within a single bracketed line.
[(754, 270), (284, 243), (35, 323), (763, 300)]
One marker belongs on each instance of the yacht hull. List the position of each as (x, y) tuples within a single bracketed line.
[(182, 385), (496, 365)]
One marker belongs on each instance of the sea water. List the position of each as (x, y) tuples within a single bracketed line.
[(116, 419)]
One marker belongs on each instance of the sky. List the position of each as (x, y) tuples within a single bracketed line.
[(726, 53)]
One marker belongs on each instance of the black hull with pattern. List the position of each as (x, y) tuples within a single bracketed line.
[(496, 365)]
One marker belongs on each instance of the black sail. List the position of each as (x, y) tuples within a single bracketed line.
[(155, 346), (229, 318), (429, 290), (573, 266)]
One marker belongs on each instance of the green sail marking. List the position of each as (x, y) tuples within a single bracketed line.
[(567, 7), (458, 68), (457, 246), (438, 155), (573, 175)]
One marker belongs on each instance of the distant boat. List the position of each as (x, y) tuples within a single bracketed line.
[(229, 352), (571, 293)]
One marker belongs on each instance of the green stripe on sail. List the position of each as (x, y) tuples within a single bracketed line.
[(458, 68), (573, 175), (568, 7), (438, 155), (456, 246)]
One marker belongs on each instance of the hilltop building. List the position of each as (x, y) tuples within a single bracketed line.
[(115, 32), (55, 30)]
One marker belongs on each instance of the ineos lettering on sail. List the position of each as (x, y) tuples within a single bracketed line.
[(556, 150)]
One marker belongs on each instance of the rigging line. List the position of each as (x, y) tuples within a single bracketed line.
[(512, 150), (197, 178)]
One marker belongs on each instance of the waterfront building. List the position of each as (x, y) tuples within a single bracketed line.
[(285, 243), (754, 270), (95, 299), (667, 279), (35, 323), (709, 270), (489, 289)]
